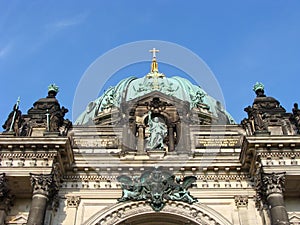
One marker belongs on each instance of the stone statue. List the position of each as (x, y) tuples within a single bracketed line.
[(259, 89), (197, 99), (296, 116), (13, 121), (132, 189), (158, 132), (57, 119), (179, 189)]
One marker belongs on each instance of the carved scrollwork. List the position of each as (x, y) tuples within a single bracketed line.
[(241, 201), (42, 183), (73, 201)]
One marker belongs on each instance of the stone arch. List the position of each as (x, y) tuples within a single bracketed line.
[(198, 214)]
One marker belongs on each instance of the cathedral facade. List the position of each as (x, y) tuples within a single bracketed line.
[(155, 150)]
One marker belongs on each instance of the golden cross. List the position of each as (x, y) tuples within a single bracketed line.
[(153, 50)]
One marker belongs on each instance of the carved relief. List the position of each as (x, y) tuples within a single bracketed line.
[(73, 201), (241, 201), (157, 186)]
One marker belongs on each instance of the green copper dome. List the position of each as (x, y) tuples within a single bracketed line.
[(132, 87)]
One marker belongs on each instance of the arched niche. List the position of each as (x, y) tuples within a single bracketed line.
[(175, 213)]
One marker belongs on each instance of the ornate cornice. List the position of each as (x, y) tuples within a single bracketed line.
[(27, 155), (113, 178)]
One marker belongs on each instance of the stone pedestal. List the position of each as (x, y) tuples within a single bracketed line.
[(262, 133), (156, 153), (51, 134)]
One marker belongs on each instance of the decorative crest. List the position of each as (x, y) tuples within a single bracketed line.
[(53, 87), (258, 86), (156, 186)]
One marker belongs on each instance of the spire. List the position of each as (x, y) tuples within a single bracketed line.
[(154, 65)]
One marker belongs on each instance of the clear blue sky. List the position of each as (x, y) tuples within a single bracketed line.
[(43, 42)]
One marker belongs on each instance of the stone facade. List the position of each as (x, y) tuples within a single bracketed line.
[(55, 173)]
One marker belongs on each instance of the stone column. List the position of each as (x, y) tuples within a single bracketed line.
[(5, 198), (42, 185), (272, 190), (140, 145), (171, 138)]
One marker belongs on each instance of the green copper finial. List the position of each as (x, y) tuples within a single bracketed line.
[(53, 87), (258, 86)]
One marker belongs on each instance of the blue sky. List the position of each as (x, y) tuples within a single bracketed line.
[(43, 42)]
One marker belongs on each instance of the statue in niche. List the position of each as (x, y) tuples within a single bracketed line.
[(158, 132)]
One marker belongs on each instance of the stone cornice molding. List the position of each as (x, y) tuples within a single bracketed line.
[(257, 148), (113, 178)]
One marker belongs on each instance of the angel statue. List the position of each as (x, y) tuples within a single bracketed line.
[(158, 132), (132, 189), (179, 190)]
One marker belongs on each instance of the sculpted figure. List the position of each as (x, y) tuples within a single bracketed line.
[(158, 132), (13, 118), (57, 119), (197, 99), (296, 116)]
